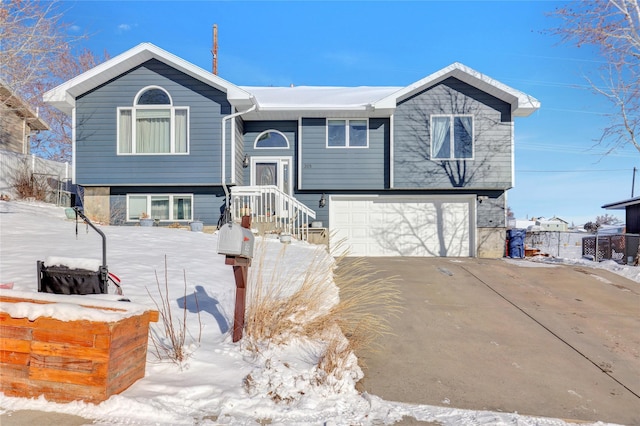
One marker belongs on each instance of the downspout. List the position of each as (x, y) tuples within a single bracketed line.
[(233, 148)]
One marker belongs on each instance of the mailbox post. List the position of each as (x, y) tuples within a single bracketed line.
[(236, 243)]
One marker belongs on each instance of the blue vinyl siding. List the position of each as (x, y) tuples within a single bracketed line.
[(97, 162), (311, 200), (240, 151), (492, 212), (491, 166), (344, 168)]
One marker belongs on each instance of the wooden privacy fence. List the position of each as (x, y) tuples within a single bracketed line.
[(621, 248)]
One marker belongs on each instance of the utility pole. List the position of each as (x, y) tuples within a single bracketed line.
[(214, 52), (633, 182)]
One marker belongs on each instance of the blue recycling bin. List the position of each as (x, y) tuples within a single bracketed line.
[(516, 242)]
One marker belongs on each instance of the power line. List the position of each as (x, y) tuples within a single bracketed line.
[(573, 171)]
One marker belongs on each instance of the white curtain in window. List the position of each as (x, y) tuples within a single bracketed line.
[(160, 208), (124, 132), (153, 131), (181, 130), (467, 123), (440, 145), (181, 208), (464, 143)]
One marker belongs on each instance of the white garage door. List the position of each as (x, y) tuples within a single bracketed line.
[(403, 226)]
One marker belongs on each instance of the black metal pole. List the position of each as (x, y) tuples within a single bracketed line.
[(103, 269)]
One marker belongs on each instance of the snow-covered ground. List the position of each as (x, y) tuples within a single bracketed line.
[(211, 387)]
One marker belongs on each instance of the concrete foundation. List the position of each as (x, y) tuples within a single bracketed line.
[(491, 242), (97, 204)]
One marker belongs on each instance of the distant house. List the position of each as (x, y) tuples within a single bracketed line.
[(17, 122), (632, 213), (419, 170), (553, 224)]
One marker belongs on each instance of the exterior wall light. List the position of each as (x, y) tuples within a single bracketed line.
[(323, 201), (245, 162)]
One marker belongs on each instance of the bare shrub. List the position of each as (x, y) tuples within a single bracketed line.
[(348, 318), (170, 342), (29, 185)]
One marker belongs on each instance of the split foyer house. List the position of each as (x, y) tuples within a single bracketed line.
[(421, 170)]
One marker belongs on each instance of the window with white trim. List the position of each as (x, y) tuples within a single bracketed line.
[(271, 139), (347, 133), (451, 137), (163, 207), (153, 125)]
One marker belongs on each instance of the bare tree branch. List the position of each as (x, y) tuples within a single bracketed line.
[(38, 52), (613, 27)]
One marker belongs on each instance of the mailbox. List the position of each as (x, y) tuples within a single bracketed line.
[(234, 240)]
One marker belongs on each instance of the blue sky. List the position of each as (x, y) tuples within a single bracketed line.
[(385, 43)]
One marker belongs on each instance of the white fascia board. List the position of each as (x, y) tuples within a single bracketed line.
[(522, 104), (63, 96)]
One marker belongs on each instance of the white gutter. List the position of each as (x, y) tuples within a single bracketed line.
[(224, 142)]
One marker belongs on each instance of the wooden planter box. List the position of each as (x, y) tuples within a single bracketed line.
[(72, 358)]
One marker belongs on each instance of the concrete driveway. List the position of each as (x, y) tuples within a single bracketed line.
[(561, 341)]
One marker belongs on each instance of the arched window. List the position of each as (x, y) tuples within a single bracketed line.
[(153, 96), (271, 139), (153, 125)]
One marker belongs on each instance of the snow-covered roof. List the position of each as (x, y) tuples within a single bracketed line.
[(557, 219), (288, 102), (522, 105), (318, 101), (318, 97), (621, 205), (63, 96)]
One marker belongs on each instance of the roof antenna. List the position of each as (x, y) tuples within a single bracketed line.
[(214, 52)]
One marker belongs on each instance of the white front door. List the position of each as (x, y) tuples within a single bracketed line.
[(275, 171)]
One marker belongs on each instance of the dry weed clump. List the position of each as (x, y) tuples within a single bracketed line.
[(279, 306), (366, 303), (349, 321), (29, 185)]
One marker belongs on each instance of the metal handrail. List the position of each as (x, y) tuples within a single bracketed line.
[(269, 204)]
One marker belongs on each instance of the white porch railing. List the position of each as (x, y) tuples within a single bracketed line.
[(268, 204)]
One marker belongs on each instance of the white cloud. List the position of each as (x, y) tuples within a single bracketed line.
[(123, 28)]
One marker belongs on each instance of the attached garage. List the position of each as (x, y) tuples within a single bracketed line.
[(390, 225)]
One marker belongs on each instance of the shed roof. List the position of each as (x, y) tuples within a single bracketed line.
[(621, 205), (21, 108)]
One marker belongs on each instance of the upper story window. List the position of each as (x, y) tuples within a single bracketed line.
[(451, 137), (153, 125), (347, 133), (271, 139)]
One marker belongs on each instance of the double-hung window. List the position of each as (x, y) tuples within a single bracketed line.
[(164, 207), (347, 133), (451, 137), (153, 125)]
